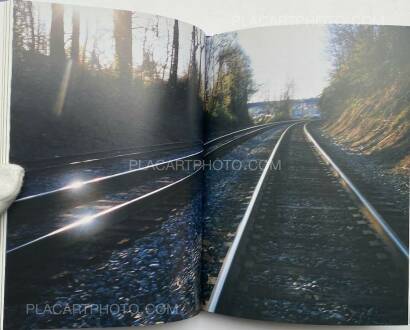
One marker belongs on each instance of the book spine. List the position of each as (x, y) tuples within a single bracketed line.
[(6, 35)]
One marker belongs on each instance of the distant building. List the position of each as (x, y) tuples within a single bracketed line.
[(306, 108), (303, 108)]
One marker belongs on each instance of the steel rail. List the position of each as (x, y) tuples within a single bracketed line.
[(98, 156), (215, 140), (229, 258), (83, 162), (108, 177), (384, 226), (235, 139), (210, 142), (88, 219), (152, 166)]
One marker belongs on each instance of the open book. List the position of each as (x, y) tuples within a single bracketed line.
[(260, 174)]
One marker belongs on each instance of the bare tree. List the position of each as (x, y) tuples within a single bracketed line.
[(173, 76), (42, 39), (209, 61), (95, 57), (200, 76), (165, 65), (24, 29), (123, 43), (193, 69), (75, 38), (57, 51), (85, 45), (18, 28), (29, 13), (286, 103)]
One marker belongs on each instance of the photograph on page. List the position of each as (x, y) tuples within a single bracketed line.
[(308, 221), (260, 174), (106, 231)]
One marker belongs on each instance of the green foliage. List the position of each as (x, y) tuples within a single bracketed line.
[(367, 104), (232, 84), (365, 59)]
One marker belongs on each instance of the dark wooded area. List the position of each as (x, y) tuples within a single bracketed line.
[(99, 85), (82, 83)]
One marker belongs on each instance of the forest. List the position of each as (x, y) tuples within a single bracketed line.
[(367, 103), (88, 80), (228, 84)]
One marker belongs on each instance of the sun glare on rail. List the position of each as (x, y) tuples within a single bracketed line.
[(86, 220), (76, 184), (58, 107)]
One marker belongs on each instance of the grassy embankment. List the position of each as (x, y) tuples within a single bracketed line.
[(367, 104)]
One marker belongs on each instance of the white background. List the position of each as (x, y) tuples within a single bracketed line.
[(216, 16)]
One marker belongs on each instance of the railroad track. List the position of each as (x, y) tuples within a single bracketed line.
[(85, 239), (222, 215), (98, 156), (84, 160), (62, 172), (25, 230), (311, 248), (63, 166), (383, 196), (223, 141)]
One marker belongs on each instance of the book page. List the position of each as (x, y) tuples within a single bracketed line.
[(105, 112), (306, 210)]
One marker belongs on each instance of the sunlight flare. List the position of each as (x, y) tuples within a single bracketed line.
[(58, 108)]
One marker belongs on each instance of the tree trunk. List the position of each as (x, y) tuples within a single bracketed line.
[(31, 25), (164, 67), (200, 69), (173, 76), (75, 38), (123, 43), (85, 45), (57, 51), (209, 55), (18, 30), (193, 73)]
